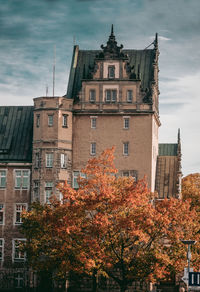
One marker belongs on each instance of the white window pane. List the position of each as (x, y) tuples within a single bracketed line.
[(50, 120), (129, 95), (93, 123), (49, 160)]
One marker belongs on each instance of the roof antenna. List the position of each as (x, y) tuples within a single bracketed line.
[(54, 69), (47, 89), (74, 40), (112, 30)]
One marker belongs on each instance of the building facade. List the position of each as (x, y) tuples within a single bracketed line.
[(112, 100)]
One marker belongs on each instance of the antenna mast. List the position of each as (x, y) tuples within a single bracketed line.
[(54, 69), (46, 90)]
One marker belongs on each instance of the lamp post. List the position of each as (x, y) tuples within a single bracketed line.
[(188, 243)]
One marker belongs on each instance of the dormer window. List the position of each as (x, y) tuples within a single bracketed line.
[(92, 95), (111, 71)]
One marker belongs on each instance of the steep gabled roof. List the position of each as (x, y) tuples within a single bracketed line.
[(167, 170), (83, 60), (16, 133), (168, 149)]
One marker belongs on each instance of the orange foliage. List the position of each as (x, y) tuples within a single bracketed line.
[(110, 223)]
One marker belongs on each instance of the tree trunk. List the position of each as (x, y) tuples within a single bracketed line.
[(94, 281), (123, 288)]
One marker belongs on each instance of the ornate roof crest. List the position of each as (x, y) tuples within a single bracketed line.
[(111, 50)]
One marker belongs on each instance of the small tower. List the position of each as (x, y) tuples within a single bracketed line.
[(52, 146)]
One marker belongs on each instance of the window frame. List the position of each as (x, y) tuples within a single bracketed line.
[(76, 174), (19, 222), (37, 121), (126, 123), (63, 160), (65, 120), (37, 159), (129, 97), (49, 161), (92, 95), (2, 211), (110, 92), (36, 194), (48, 191), (22, 178), (111, 74), (50, 120), (126, 148), (20, 258), (93, 121), (93, 148), (3, 186), (19, 280), (2, 249)]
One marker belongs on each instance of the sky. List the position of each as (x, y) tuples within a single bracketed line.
[(32, 32)]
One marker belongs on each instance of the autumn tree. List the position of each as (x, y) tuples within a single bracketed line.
[(191, 188), (112, 226)]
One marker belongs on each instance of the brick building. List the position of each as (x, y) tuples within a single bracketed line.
[(112, 99)]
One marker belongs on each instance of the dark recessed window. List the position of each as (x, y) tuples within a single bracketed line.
[(126, 148), (111, 71), (92, 95), (64, 121), (37, 121), (111, 95), (50, 120), (129, 95), (93, 148)]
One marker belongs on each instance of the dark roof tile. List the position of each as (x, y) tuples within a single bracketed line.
[(16, 133), (168, 149), (83, 59)]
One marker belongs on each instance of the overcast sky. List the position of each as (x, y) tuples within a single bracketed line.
[(30, 29)]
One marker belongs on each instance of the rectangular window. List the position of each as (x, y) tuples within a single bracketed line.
[(93, 122), (49, 159), (1, 214), (93, 148), (19, 208), (92, 95), (50, 120), (132, 173), (2, 178), (48, 191), (111, 71), (126, 148), (76, 175), (1, 248), (18, 254), (64, 121), (111, 95), (37, 121), (22, 179), (129, 95), (36, 190), (63, 160), (18, 280), (126, 123), (37, 160)]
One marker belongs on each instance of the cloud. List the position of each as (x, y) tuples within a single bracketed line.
[(30, 29)]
